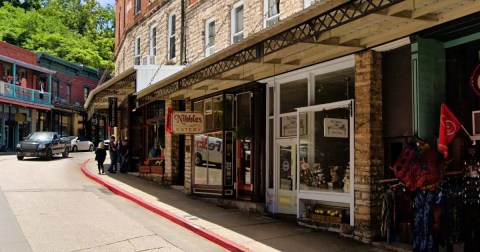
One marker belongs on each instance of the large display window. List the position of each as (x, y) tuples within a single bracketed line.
[(325, 159)]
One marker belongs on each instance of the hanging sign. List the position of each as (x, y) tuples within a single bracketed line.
[(112, 111), (475, 80), (187, 122), (334, 127)]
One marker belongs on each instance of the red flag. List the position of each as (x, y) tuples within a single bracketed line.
[(168, 126), (449, 126)]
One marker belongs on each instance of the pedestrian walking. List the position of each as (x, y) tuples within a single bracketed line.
[(100, 155), (124, 154), (113, 151)]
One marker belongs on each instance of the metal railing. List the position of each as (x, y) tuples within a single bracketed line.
[(24, 94)]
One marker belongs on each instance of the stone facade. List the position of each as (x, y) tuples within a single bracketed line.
[(369, 154), (126, 51)]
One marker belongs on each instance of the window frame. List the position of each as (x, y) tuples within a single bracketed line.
[(136, 50), (233, 22), (137, 7), (153, 41), (171, 35), (207, 36), (266, 12), (86, 92)]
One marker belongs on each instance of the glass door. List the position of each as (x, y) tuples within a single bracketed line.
[(286, 172)]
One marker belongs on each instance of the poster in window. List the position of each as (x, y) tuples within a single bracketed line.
[(208, 107), (288, 126), (334, 127)]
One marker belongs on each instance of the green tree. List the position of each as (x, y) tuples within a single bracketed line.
[(81, 32)]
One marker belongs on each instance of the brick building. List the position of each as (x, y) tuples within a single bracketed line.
[(71, 85), (306, 103), (25, 95)]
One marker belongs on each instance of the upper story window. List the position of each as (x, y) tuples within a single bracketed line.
[(69, 93), (237, 22), (86, 91), (138, 6), (171, 36), (209, 37), (56, 88), (153, 41), (136, 52), (271, 12)]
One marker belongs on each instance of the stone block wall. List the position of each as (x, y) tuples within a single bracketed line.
[(200, 11), (188, 156), (159, 17), (171, 152), (369, 154)]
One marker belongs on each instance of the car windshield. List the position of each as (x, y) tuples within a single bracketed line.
[(40, 136)]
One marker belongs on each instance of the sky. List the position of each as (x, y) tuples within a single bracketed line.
[(105, 2)]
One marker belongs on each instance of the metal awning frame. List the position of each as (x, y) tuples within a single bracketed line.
[(319, 33)]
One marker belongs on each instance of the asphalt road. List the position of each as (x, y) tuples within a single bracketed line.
[(52, 206)]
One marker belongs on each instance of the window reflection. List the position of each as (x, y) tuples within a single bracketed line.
[(324, 151), (208, 158)]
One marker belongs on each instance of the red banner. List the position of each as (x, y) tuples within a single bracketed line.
[(168, 127), (449, 126)]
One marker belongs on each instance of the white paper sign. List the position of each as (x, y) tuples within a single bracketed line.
[(334, 127)]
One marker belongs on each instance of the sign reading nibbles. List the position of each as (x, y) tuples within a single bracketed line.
[(187, 122), (112, 111)]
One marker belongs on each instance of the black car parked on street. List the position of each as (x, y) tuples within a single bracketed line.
[(43, 144)]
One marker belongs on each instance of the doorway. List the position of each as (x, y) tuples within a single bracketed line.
[(286, 167)]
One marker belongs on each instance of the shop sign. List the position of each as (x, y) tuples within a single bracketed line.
[(19, 117), (334, 127), (187, 122), (112, 111)]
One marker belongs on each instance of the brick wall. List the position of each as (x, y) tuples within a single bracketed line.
[(368, 144), (17, 53)]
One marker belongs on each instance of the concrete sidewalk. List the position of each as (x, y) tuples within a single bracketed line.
[(233, 229)]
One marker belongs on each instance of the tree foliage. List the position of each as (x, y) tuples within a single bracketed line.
[(77, 31)]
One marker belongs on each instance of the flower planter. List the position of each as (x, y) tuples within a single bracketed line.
[(150, 169)]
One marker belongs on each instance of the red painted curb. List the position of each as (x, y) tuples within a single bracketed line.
[(225, 243)]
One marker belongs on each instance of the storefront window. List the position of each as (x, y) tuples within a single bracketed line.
[(293, 95), (243, 109), (228, 110), (208, 158), (218, 112), (334, 86), (324, 151)]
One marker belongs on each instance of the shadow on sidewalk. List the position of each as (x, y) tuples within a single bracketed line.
[(276, 233)]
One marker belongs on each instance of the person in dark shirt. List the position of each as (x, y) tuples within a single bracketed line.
[(124, 154), (100, 155), (113, 151)]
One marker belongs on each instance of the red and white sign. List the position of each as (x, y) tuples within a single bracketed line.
[(188, 122)]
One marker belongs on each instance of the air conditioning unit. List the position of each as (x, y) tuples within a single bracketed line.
[(238, 37), (136, 60), (148, 60), (152, 59), (273, 20)]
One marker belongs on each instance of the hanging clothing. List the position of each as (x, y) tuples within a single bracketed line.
[(424, 202)]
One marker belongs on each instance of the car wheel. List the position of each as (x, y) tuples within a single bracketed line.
[(65, 153), (49, 154), (198, 159), (75, 148), (91, 148), (20, 157)]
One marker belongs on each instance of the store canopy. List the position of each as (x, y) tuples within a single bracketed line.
[(119, 86), (319, 33)]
